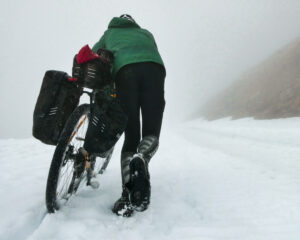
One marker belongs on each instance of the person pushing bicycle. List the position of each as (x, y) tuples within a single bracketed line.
[(139, 74)]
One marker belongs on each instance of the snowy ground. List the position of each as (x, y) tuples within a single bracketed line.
[(233, 180)]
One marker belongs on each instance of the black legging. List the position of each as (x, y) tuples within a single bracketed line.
[(140, 86)]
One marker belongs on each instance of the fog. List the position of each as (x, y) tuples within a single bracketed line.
[(205, 46)]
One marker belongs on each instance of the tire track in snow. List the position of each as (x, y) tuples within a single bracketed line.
[(23, 178), (26, 225)]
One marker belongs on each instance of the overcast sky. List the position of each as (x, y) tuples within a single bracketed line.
[(205, 45)]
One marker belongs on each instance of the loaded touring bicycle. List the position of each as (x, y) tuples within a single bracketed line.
[(84, 135)]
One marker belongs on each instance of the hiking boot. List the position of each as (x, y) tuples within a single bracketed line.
[(148, 147), (139, 185), (122, 206)]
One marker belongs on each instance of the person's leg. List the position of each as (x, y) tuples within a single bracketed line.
[(128, 95), (152, 99), (138, 85), (141, 86), (152, 106)]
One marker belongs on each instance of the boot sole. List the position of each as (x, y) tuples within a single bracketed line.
[(140, 185)]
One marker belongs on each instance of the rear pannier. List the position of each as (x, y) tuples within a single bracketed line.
[(107, 123), (57, 100), (92, 70)]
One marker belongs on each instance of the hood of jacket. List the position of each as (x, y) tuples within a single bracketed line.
[(117, 22)]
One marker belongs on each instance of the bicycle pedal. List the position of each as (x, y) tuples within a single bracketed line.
[(94, 184)]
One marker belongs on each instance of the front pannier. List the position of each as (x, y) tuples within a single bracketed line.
[(57, 99), (107, 123)]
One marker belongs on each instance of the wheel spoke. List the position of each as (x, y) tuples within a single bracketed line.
[(70, 173), (68, 170)]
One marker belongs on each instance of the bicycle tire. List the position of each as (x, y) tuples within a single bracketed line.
[(60, 155)]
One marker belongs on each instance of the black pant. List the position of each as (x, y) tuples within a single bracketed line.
[(140, 86)]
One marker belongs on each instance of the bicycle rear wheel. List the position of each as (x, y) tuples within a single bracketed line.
[(68, 164)]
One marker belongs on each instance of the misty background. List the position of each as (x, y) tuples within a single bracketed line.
[(205, 45)]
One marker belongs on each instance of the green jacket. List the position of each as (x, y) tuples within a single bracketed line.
[(129, 44)]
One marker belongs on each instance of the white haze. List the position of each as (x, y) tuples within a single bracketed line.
[(205, 45)]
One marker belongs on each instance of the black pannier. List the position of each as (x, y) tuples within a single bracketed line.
[(96, 73), (107, 123), (93, 74), (57, 99)]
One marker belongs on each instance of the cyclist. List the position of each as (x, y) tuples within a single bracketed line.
[(139, 74)]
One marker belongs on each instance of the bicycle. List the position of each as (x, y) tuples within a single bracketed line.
[(71, 164)]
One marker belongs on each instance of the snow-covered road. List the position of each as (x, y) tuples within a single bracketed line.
[(236, 180)]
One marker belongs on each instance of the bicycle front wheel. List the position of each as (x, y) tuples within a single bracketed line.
[(67, 166)]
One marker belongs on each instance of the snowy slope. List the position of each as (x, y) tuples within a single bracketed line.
[(210, 180)]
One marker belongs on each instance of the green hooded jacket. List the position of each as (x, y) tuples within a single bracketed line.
[(129, 44)]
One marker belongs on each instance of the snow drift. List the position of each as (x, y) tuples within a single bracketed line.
[(210, 181)]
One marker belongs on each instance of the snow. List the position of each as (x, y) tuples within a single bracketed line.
[(210, 181)]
